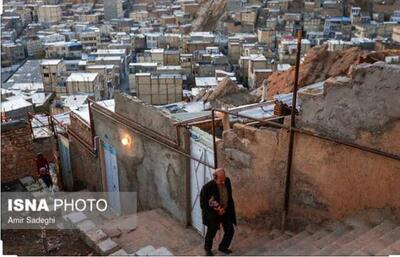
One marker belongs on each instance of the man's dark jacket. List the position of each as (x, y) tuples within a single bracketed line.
[(209, 215)]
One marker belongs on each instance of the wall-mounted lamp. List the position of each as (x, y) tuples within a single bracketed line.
[(125, 141)]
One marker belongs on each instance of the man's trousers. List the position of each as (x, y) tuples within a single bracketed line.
[(212, 231)]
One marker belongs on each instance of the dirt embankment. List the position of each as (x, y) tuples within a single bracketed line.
[(208, 15), (227, 94), (321, 64)]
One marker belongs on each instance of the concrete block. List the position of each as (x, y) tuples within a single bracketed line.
[(120, 252), (107, 246), (145, 251), (86, 226), (127, 224), (112, 232), (76, 217), (27, 180), (33, 187), (95, 235), (162, 251)]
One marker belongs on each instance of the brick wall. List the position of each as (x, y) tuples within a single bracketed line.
[(85, 167), (18, 157)]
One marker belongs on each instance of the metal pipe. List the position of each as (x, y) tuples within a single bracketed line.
[(186, 122), (360, 147), (58, 122), (195, 123), (214, 139), (186, 135), (30, 125), (176, 149), (310, 133), (50, 120), (80, 140), (92, 130), (291, 135)]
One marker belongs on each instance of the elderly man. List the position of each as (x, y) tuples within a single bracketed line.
[(218, 209)]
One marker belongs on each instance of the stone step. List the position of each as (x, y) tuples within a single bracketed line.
[(346, 237), (337, 231), (162, 251), (145, 251), (242, 243), (263, 249), (279, 248), (364, 239), (246, 238), (306, 245), (241, 246), (392, 249), (107, 246), (120, 252), (383, 242)]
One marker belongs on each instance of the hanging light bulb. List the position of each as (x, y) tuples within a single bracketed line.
[(125, 141)]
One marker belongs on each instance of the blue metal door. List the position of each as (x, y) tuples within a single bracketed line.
[(66, 171), (112, 180)]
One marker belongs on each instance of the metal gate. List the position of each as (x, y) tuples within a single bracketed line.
[(66, 171), (200, 148)]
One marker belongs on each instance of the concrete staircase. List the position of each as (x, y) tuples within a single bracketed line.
[(368, 233), (145, 251), (353, 236)]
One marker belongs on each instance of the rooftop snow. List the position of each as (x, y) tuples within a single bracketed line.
[(50, 62), (14, 104), (82, 77), (83, 110)]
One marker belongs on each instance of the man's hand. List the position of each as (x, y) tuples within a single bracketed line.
[(221, 211)]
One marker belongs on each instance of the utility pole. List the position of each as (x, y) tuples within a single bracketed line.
[(291, 133)]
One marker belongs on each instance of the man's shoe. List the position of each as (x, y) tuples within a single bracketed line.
[(209, 253), (226, 250)]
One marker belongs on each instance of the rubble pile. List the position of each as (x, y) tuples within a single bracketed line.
[(321, 64), (227, 94)]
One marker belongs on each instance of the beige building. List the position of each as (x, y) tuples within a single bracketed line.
[(159, 89), (247, 17), (314, 24), (53, 74), (266, 36), (257, 66), (139, 16), (234, 51), (190, 8), (168, 20), (171, 57), (49, 13), (109, 75), (62, 49), (396, 34), (90, 39), (172, 40), (91, 18), (288, 49), (85, 82)]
